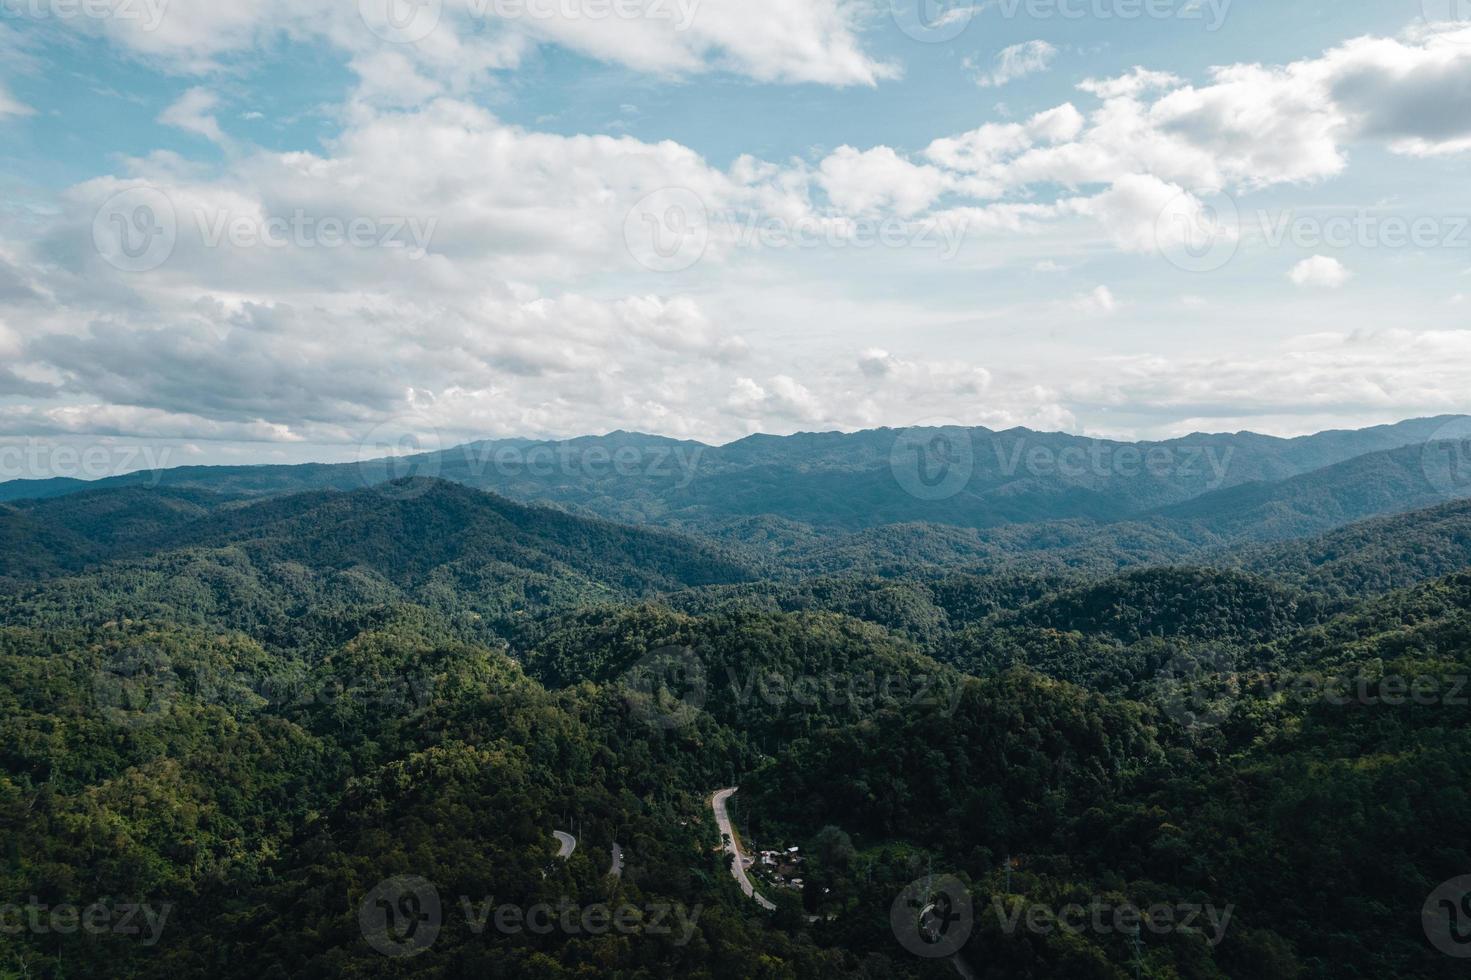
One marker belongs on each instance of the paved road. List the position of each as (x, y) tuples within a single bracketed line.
[(737, 868), (566, 844), (615, 870)]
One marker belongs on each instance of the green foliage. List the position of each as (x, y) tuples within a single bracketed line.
[(255, 711)]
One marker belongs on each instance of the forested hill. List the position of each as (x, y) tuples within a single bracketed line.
[(291, 570), (1404, 479), (1373, 556), (258, 710), (831, 481)]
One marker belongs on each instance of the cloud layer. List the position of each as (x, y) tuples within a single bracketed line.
[(433, 261)]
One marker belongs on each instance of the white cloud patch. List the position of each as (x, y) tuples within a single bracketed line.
[(1320, 271), (10, 107), (866, 182), (1099, 302), (193, 113), (526, 314), (1157, 146), (458, 42), (1326, 377), (1018, 61)]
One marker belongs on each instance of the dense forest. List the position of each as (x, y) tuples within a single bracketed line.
[(260, 723)]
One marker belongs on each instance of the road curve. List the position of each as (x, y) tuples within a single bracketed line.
[(566, 844), (737, 868)]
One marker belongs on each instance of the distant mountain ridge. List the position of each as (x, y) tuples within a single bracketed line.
[(835, 482)]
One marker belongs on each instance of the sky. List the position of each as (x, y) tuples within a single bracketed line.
[(291, 230)]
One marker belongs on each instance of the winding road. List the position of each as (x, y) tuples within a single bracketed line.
[(737, 865), (566, 844), (615, 870), (738, 870)]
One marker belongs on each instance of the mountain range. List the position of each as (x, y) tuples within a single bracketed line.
[(261, 694)]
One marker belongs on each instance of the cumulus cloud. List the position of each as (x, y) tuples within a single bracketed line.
[(952, 379), (520, 315), (1018, 61), (193, 113), (879, 180), (1320, 271), (1099, 302), (1157, 142), (1386, 374), (768, 40)]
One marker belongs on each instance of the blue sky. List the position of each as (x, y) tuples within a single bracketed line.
[(1118, 226)]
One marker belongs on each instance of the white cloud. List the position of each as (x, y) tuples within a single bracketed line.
[(768, 40), (1132, 211), (1327, 378), (10, 108), (1321, 271), (193, 113), (1099, 302), (524, 318), (1131, 85), (1158, 143), (1018, 61), (879, 179), (457, 43), (952, 379), (781, 402)]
